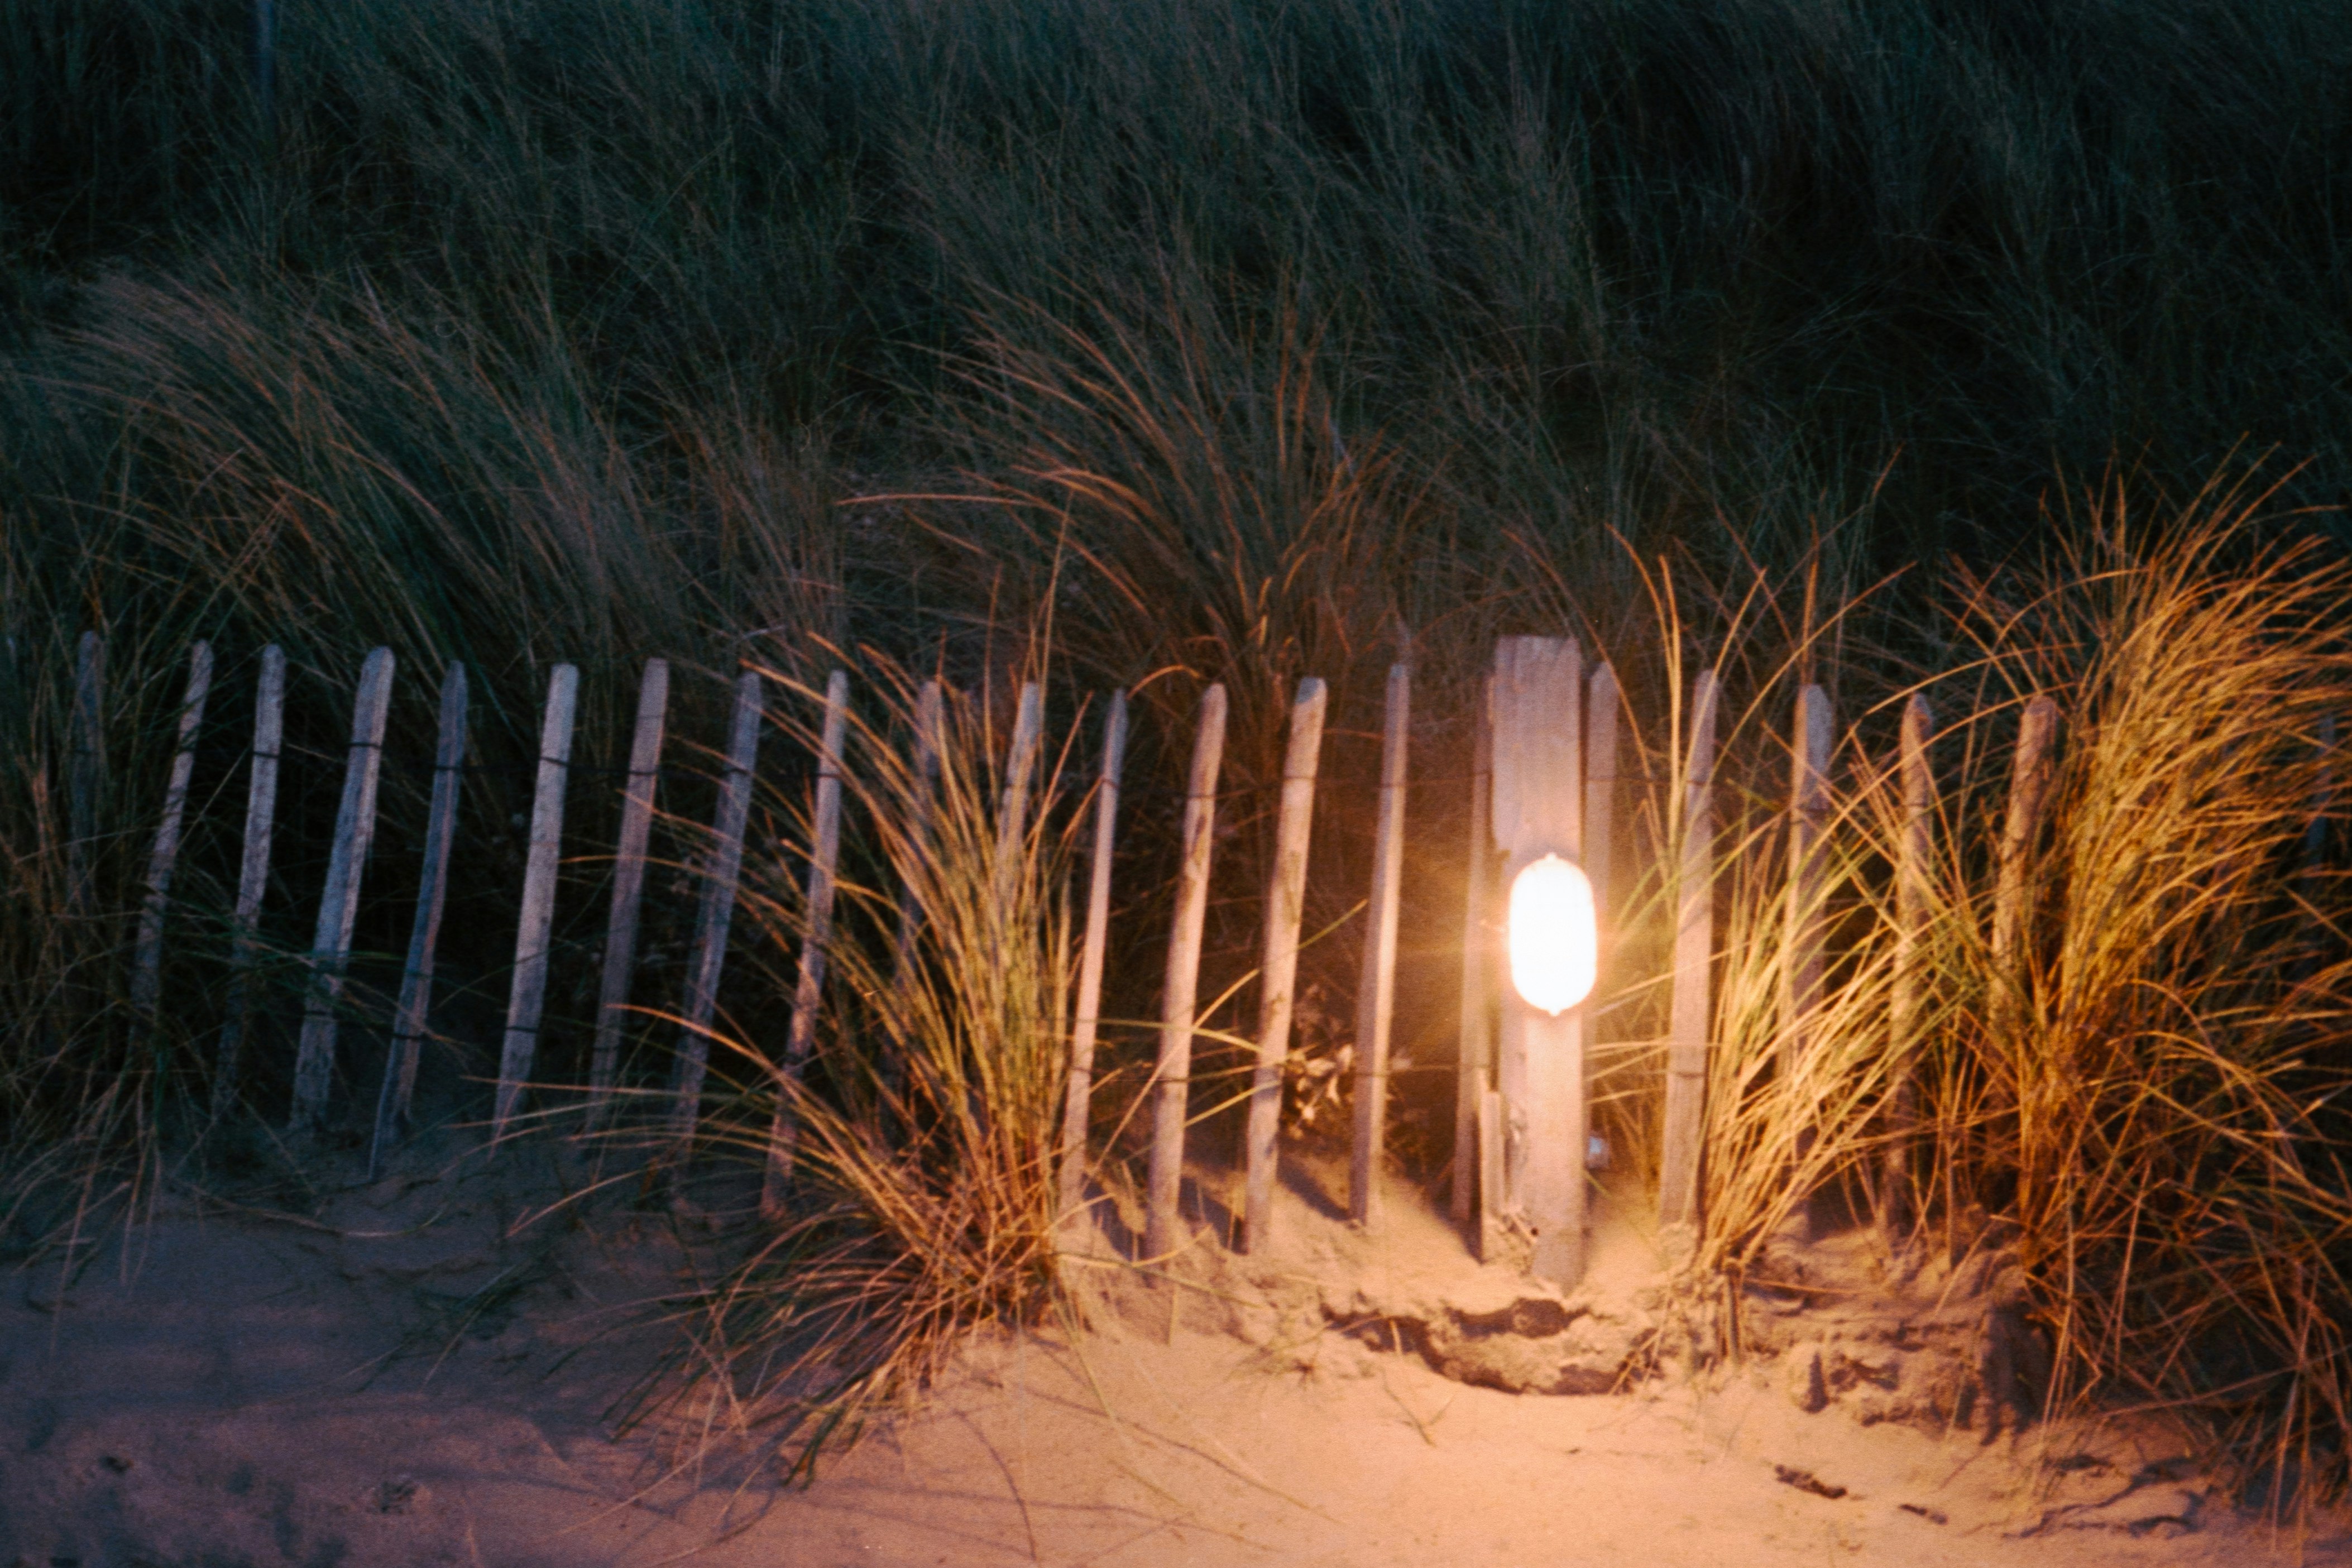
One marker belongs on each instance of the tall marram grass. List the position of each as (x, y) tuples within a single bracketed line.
[(922, 1204), (2143, 1106)]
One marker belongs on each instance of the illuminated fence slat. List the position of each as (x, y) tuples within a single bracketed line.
[(1805, 922), (2032, 772), (1897, 1208), (1172, 1079), (1602, 702), (1077, 1102), (1013, 810), (1689, 1031), (1474, 1045), (930, 730), (1376, 994), (1285, 898)]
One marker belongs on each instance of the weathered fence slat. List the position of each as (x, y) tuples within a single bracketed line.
[(1285, 901), (253, 870), (1489, 1239), (1602, 702), (1806, 922), (339, 902), (1475, 1043), (2032, 772), (1688, 1025), (1376, 994), (1013, 814), (1172, 1078), (1804, 931), (718, 909), (1078, 1103), (931, 725), (923, 776), (147, 961), (1896, 1209), (408, 1015), (620, 961), (808, 989), (527, 992), (84, 770)]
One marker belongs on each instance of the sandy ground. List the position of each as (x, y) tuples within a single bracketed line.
[(407, 1375)]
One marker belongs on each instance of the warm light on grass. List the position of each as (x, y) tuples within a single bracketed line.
[(1555, 936)]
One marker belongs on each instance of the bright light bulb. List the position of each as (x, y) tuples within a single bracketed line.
[(1555, 936)]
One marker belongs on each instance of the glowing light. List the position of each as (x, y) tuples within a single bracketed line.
[(1555, 936)]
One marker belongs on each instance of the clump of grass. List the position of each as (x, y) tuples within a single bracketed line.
[(922, 1204), (1186, 503), (2140, 1103), (2164, 1121)]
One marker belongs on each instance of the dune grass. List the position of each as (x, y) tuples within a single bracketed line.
[(922, 1202), (2141, 1105)]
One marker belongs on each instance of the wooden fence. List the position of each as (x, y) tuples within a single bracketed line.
[(1546, 774)]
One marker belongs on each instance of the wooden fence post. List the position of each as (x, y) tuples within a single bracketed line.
[(1538, 805), (253, 870), (339, 901), (718, 910), (2032, 772), (1896, 1209), (84, 770), (399, 1090), (1689, 1026), (1286, 899), (527, 995), (808, 989), (629, 890), (1172, 1079), (1078, 1103), (1376, 992), (147, 963), (1475, 1041)]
